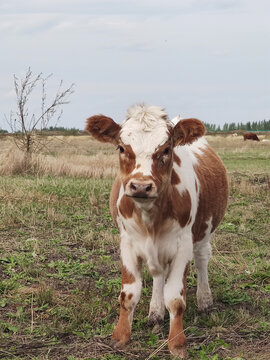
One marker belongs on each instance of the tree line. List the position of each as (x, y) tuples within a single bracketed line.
[(263, 125), (50, 129)]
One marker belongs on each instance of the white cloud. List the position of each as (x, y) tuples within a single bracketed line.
[(26, 24), (205, 57)]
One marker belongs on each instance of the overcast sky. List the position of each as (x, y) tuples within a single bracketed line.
[(208, 59)]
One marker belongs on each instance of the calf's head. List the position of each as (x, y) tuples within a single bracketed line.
[(145, 142)]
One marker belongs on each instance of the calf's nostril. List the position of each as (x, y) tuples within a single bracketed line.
[(148, 188), (133, 187)]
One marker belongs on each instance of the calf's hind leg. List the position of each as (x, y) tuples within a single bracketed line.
[(157, 307), (202, 254)]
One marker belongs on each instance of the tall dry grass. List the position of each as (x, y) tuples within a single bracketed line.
[(84, 156), (236, 144), (98, 166), (69, 156)]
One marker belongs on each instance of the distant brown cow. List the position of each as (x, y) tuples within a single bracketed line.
[(250, 136)]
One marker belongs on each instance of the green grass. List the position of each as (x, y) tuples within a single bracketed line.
[(247, 157), (250, 161), (60, 275)]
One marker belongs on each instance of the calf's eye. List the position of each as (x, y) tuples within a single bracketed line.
[(121, 149), (166, 151)]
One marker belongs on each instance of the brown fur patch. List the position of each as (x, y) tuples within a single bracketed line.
[(162, 156), (213, 194), (162, 166), (103, 128), (181, 206), (177, 307), (168, 206), (196, 186), (122, 298), (176, 336), (127, 160), (126, 207), (174, 178), (125, 302), (188, 130), (127, 277), (121, 333), (176, 159), (113, 198)]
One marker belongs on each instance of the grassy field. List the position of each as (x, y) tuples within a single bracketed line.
[(60, 267)]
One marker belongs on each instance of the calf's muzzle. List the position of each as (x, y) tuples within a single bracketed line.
[(141, 189)]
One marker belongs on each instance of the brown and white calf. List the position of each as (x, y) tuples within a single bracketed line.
[(167, 201)]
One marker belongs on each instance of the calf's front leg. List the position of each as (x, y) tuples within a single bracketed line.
[(175, 300), (129, 297)]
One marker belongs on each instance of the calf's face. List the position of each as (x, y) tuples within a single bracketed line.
[(145, 155), (145, 148)]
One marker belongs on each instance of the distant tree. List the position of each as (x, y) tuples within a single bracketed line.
[(263, 125), (27, 126), (3, 131), (63, 130), (242, 126), (232, 126), (210, 127), (266, 125)]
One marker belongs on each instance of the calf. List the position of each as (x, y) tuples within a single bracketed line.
[(167, 201), (250, 136)]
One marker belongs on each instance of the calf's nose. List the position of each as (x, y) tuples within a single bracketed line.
[(140, 189)]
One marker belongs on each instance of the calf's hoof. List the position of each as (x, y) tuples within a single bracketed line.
[(205, 303), (204, 299), (119, 339), (154, 319), (179, 352), (118, 344)]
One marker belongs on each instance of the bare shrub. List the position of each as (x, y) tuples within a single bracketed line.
[(27, 126)]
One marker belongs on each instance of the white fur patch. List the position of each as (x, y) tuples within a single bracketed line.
[(157, 305), (146, 115), (176, 119), (182, 257), (144, 130), (202, 254)]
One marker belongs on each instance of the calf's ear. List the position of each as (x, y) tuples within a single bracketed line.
[(187, 130), (103, 128)]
